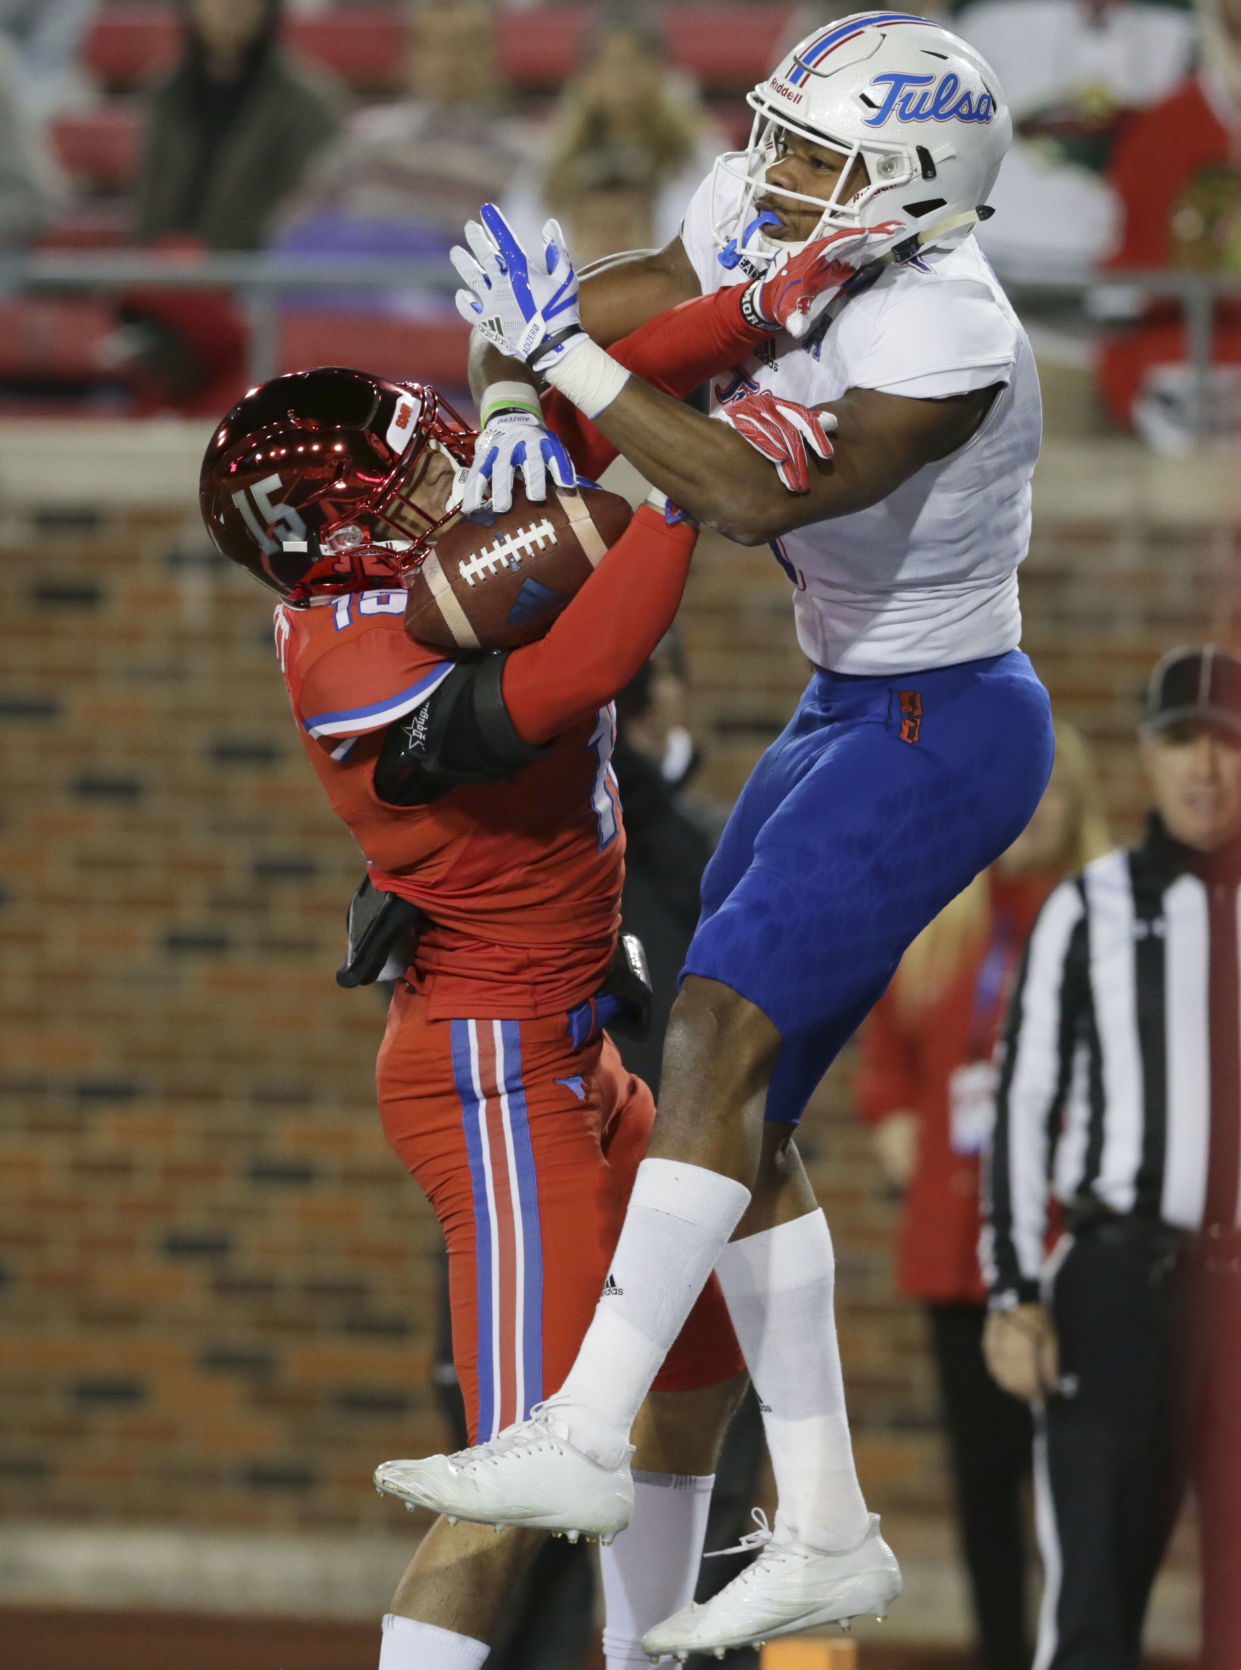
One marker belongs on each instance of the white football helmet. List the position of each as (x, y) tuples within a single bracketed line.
[(919, 106)]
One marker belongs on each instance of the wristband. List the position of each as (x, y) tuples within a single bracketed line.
[(508, 397), (673, 515), (586, 375), (750, 309)]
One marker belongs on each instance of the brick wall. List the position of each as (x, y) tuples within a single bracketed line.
[(216, 1284)]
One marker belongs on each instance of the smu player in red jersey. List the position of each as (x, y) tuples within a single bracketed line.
[(482, 796)]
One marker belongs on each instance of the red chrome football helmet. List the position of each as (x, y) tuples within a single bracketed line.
[(310, 475)]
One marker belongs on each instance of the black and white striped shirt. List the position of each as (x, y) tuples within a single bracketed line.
[(1120, 1082)]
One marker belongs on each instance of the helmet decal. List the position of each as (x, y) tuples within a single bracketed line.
[(811, 54), (946, 104), (403, 427)]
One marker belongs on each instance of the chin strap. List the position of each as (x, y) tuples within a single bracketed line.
[(910, 246), (913, 245)]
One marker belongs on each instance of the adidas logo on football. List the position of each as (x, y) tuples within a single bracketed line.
[(610, 1289), (531, 601)]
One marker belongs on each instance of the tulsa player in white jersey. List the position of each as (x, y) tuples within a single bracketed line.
[(917, 754)]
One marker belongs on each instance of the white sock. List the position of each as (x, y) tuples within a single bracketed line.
[(779, 1286), (651, 1569), (678, 1222), (409, 1645)]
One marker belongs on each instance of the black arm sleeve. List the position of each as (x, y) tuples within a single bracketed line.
[(461, 734)]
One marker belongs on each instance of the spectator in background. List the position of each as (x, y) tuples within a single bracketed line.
[(1120, 1098), (31, 186), (1177, 175), (229, 135), (406, 175), (1075, 73), (627, 145), (927, 1083), (48, 37), (231, 131)]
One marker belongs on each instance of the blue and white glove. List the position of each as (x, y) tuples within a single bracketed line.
[(513, 438), (528, 309)]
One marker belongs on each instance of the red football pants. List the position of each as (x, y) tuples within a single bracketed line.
[(527, 1148)]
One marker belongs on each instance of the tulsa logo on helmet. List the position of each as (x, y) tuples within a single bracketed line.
[(915, 104)]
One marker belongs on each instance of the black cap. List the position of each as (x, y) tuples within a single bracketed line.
[(1196, 681)]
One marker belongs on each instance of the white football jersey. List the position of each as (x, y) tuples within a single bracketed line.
[(927, 577)]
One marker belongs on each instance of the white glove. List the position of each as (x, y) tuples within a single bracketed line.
[(529, 310), (514, 438), (525, 308)]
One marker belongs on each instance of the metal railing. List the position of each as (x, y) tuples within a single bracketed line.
[(262, 283)]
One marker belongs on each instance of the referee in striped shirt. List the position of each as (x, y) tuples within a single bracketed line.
[(1120, 1095)]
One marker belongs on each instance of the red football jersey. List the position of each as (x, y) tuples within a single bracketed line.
[(522, 880)]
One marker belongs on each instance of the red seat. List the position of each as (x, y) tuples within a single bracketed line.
[(45, 341), (91, 226), (126, 44), (410, 350), (101, 146), (725, 46), (364, 45)]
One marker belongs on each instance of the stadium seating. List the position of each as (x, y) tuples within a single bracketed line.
[(418, 350), (724, 46), (99, 146), (53, 342), (364, 45)]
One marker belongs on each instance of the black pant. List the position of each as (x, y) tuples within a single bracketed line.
[(990, 1437), (1110, 1458)]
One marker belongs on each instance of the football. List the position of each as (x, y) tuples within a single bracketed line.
[(498, 581)]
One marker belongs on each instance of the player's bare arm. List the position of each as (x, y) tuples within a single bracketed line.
[(532, 306), (622, 292), (675, 347), (879, 442)]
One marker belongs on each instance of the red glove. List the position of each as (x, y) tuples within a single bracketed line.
[(794, 291), (782, 430)]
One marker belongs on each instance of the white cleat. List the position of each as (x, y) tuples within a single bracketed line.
[(789, 1587), (530, 1474)]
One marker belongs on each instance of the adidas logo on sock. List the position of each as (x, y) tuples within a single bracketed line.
[(610, 1289)]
